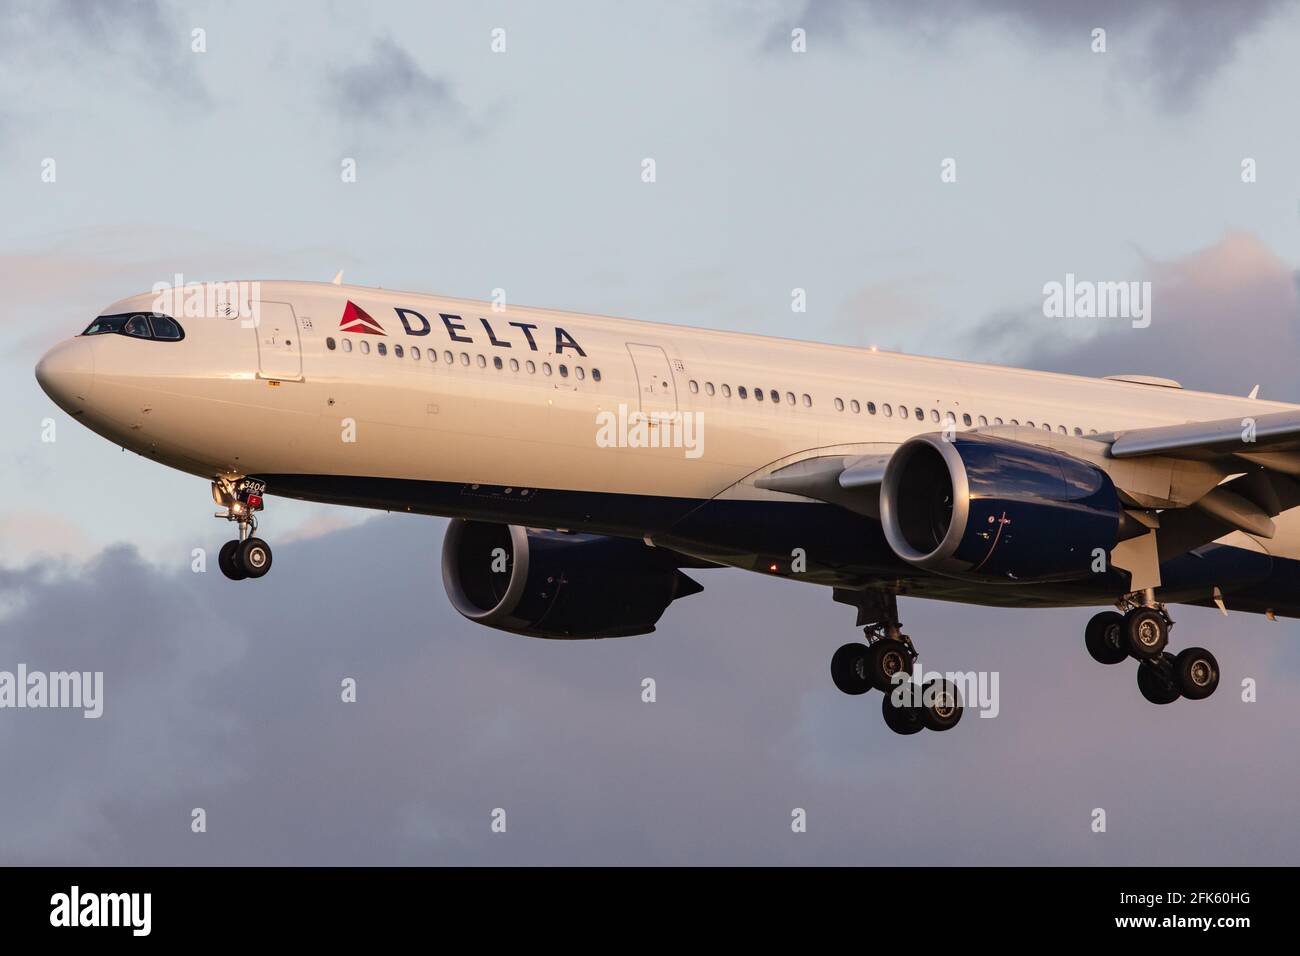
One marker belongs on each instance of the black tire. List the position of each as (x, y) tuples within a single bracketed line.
[(228, 561), (941, 705), (1146, 633), (1157, 681), (255, 557), (1104, 638), (1197, 673), (902, 718), (885, 659), (849, 669)]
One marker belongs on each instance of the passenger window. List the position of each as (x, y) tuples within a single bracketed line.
[(347, 345), (775, 396), (546, 368), (464, 358), (740, 392), (532, 367), (708, 388), (839, 404), (482, 362), (807, 400), (595, 375), (514, 365), (934, 414), (1078, 430), (564, 370), (497, 363), (902, 411), (415, 353), (966, 419), (448, 358), (695, 386), (381, 348), (397, 351), (871, 408), (888, 410), (329, 344), (726, 391), (855, 406), (365, 347), (920, 415), (577, 370), (789, 398), (997, 421), (758, 394)]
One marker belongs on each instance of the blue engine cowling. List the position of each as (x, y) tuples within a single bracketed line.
[(980, 507), (558, 585)]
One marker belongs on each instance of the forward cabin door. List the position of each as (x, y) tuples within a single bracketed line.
[(279, 346), (655, 384)]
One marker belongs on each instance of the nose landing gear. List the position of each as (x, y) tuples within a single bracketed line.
[(246, 556), (1142, 633)]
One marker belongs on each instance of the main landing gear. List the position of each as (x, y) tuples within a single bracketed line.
[(856, 668), (1142, 632), (247, 556)]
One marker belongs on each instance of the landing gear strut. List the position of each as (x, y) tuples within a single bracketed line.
[(859, 667), (247, 556), (1142, 633)]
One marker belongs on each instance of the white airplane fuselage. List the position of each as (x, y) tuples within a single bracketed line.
[(498, 415)]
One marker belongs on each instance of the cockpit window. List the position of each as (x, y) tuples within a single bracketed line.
[(164, 327), (140, 325)]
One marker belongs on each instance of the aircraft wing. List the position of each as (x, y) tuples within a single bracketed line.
[(1271, 440)]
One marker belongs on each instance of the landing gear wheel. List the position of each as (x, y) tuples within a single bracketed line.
[(886, 658), (902, 719), (1197, 673), (1104, 638), (941, 705), (1157, 681), (1146, 632), (849, 669), (255, 557), (228, 561)]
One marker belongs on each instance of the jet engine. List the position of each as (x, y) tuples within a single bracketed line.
[(980, 507), (558, 585)]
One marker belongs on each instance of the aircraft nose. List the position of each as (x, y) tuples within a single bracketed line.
[(67, 374)]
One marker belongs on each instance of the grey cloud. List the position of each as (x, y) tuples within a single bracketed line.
[(124, 37), (1183, 43), (389, 86), (226, 696), (1224, 319)]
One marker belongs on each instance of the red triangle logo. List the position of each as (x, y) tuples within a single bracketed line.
[(355, 319)]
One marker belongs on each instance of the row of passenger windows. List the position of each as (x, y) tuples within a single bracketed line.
[(886, 410), (449, 358), (742, 392), (948, 417)]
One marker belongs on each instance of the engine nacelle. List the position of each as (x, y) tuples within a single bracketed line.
[(980, 507), (557, 585)]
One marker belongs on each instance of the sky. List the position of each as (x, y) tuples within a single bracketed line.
[(522, 170)]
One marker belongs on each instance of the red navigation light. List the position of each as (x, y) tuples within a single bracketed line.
[(254, 501)]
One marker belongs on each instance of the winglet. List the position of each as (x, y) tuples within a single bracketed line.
[(338, 280), (1254, 392)]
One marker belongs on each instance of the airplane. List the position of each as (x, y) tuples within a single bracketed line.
[(587, 462)]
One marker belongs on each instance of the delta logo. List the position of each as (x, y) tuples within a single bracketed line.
[(356, 319)]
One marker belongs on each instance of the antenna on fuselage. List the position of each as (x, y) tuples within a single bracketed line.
[(338, 277)]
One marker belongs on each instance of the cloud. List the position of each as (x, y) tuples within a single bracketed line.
[(122, 37), (226, 696), (390, 86), (1224, 318), (1182, 44)]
